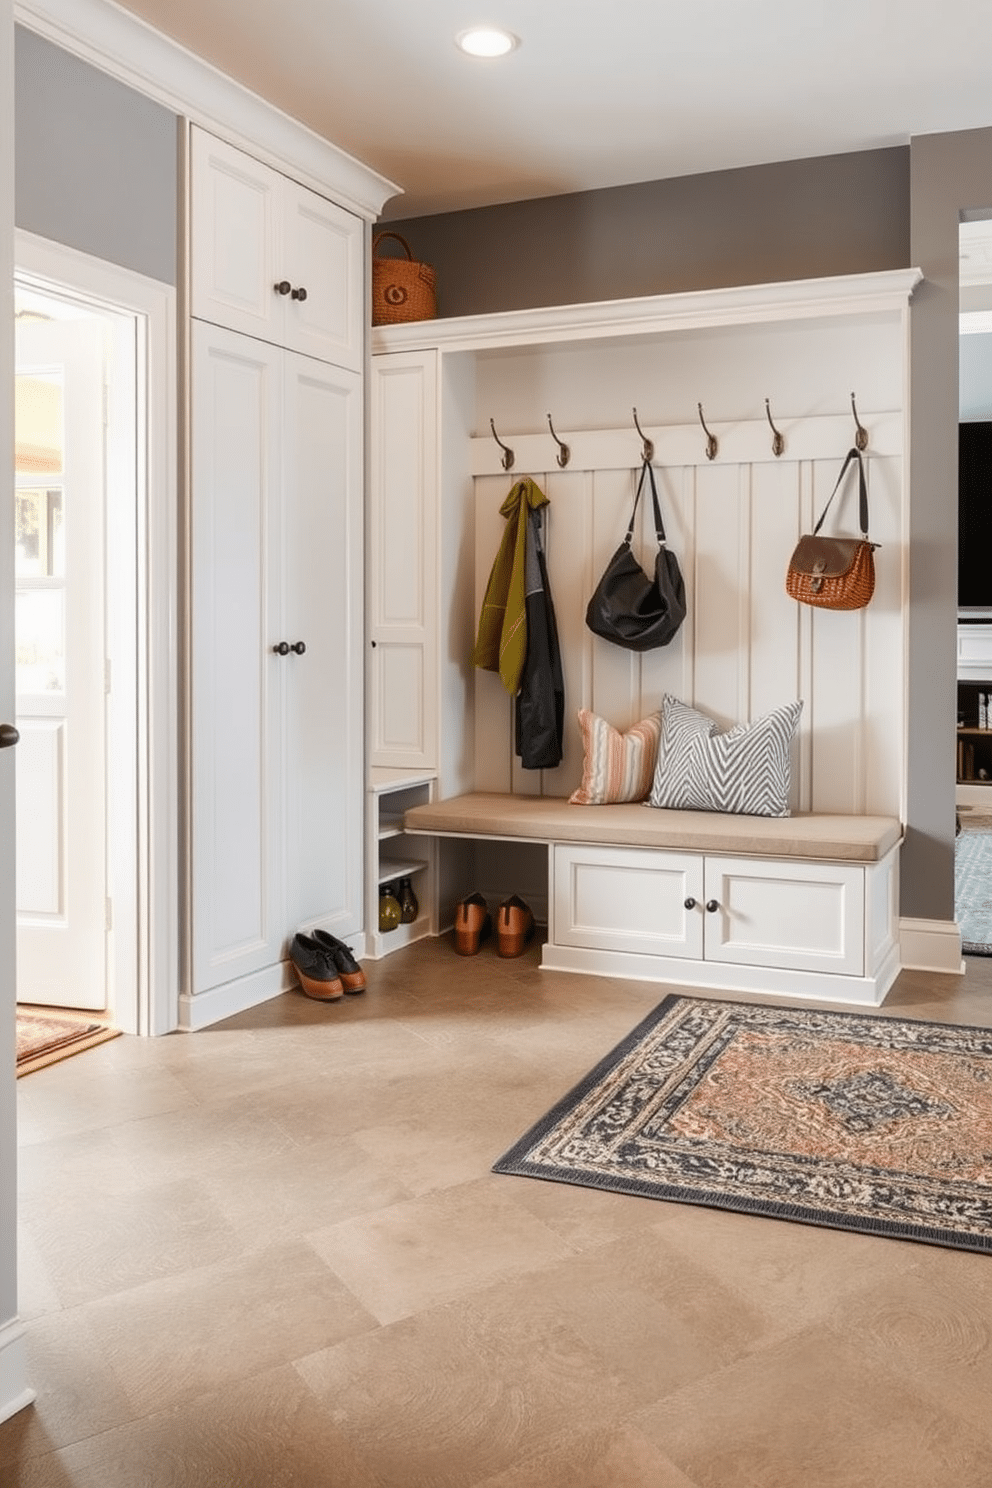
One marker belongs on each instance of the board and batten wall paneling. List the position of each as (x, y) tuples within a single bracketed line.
[(745, 647)]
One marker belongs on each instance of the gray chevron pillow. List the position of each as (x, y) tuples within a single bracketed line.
[(745, 770)]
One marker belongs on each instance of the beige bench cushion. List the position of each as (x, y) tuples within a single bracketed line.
[(857, 839)]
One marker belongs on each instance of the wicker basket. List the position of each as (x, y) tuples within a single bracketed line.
[(401, 288)]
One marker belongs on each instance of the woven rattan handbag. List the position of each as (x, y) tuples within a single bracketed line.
[(402, 289), (835, 573)]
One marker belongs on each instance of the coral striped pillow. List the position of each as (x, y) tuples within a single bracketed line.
[(617, 767)]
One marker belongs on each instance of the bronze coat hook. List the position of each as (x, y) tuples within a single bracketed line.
[(507, 451), (647, 451), (564, 453), (711, 444), (861, 437), (778, 443)]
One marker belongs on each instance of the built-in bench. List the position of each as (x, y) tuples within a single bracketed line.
[(801, 906)]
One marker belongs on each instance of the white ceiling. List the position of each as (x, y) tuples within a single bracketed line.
[(599, 93)]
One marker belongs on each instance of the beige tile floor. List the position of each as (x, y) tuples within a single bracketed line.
[(273, 1255)]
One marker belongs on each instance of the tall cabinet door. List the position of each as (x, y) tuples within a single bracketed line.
[(322, 551), (236, 676), (403, 598)]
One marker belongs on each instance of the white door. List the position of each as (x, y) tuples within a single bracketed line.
[(238, 676), (322, 612), (60, 676)]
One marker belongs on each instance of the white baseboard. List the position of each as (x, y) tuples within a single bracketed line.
[(205, 1008), (14, 1391), (930, 945)]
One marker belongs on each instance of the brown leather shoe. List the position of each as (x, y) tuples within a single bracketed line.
[(514, 927), (316, 970), (473, 925)]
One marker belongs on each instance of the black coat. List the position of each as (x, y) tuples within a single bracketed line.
[(540, 703)]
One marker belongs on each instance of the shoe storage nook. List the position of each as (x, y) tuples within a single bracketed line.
[(751, 398)]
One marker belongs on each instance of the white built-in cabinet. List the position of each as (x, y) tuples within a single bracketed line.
[(748, 923), (271, 258), (276, 543)]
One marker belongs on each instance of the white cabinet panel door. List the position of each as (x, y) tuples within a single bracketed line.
[(323, 256), (403, 597), (805, 916), (321, 582), (237, 678), (235, 207), (621, 899), (271, 258)]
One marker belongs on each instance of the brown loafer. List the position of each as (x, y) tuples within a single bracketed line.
[(514, 927), (473, 925)]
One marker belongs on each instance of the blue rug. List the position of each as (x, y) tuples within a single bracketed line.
[(973, 884)]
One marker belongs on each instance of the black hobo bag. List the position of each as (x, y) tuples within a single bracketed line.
[(630, 608)]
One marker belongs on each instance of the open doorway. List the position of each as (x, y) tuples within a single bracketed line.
[(96, 645)]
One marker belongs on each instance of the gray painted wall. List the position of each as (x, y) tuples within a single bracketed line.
[(839, 214), (95, 162), (949, 173)]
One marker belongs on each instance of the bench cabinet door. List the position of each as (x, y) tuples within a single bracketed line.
[(627, 899), (801, 915)]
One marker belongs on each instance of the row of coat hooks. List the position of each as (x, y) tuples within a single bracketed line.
[(712, 445)]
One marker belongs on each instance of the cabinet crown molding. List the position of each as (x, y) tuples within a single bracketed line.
[(848, 294), (134, 53)]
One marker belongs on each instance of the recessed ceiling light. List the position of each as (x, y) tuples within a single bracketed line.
[(487, 41)]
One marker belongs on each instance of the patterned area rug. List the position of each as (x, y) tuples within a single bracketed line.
[(973, 883), (45, 1038), (855, 1121)]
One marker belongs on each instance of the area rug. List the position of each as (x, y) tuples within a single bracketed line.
[(973, 883), (853, 1121), (45, 1038)]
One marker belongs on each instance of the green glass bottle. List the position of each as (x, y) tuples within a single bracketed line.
[(390, 913)]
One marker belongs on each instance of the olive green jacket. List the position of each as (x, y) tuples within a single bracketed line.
[(502, 642)]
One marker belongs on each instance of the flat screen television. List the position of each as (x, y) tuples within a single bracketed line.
[(975, 517)]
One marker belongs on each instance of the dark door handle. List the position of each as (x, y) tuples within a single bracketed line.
[(8, 736), (299, 647), (283, 287), (690, 903), (711, 906), (282, 649), (299, 294)]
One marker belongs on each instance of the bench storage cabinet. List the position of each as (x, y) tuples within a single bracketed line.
[(802, 906)]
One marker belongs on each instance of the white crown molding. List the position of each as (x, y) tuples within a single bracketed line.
[(120, 44), (849, 294)]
